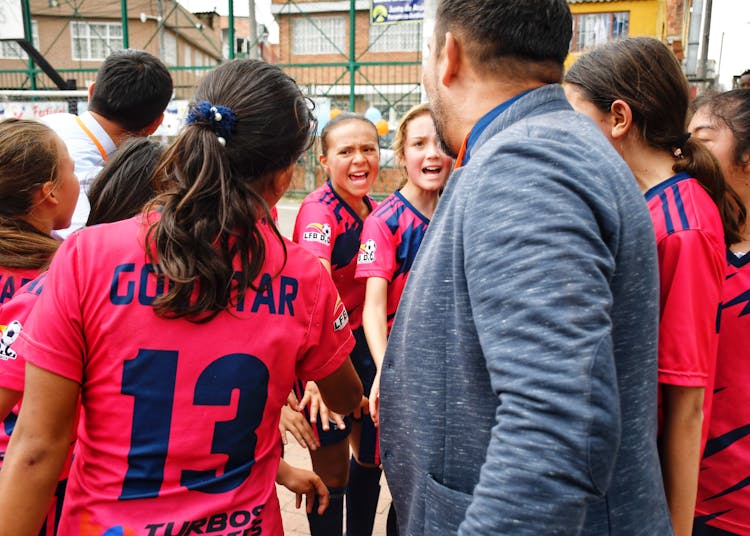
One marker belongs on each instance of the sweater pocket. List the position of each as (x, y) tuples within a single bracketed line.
[(445, 508)]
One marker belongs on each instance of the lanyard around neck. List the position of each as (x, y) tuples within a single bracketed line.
[(93, 139)]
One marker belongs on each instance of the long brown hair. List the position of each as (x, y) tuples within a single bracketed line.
[(645, 74), (211, 210), (125, 184), (28, 159)]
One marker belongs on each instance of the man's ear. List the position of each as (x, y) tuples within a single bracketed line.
[(621, 119), (151, 128), (449, 61), (91, 90)]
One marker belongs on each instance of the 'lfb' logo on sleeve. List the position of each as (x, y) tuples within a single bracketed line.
[(317, 232), (367, 252)]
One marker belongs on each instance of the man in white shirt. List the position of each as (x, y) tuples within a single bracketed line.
[(128, 98)]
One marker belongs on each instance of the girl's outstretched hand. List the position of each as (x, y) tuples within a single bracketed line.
[(294, 421), (304, 482), (318, 408)]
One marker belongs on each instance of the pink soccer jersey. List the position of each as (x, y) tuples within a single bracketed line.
[(723, 490), (13, 316), (690, 244), (390, 240), (12, 279), (11, 368), (180, 420), (330, 229)]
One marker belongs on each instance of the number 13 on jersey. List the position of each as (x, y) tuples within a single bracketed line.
[(150, 378)]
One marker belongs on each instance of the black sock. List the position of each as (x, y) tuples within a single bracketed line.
[(361, 499), (331, 523)]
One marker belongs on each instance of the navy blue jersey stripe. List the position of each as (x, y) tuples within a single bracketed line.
[(723, 441), (701, 522), (738, 486), (737, 262), (680, 208), (665, 210)]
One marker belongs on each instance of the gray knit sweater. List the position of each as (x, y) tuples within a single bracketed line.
[(519, 385)]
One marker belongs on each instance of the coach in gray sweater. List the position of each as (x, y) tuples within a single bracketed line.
[(518, 392)]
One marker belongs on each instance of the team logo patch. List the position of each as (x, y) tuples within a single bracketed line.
[(341, 316), (9, 334), (367, 252), (317, 232)]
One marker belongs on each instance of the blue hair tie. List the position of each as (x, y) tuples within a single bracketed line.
[(220, 118)]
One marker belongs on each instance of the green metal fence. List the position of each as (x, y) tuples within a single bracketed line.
[(373, 70), (345, 64)]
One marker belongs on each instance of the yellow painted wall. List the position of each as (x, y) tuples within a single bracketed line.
[(647, 17)]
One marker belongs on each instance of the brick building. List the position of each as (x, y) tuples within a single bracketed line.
[(597, 21), (76, 36), (315, 47)]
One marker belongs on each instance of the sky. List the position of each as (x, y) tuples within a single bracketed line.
[(729, 41)]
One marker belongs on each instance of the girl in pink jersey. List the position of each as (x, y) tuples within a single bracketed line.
[(36, 187), (637, 94), (722, 122), (329, 224), (119, 191), (393, 233), (38, 191), (183, 330)]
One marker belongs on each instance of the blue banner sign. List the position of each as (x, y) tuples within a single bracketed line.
[(390, 11)]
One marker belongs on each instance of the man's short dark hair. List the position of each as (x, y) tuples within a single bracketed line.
[(132, 89), (496, 30)]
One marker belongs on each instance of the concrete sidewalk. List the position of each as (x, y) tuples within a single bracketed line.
[(295, 521)]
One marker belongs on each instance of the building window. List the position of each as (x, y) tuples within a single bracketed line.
[(10, 50), (396, 37), (319, 35), (170, 48), (592, 29), (187, 53), (95, 41)]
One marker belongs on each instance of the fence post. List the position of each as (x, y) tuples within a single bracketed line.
[(28, 31), (72, 101), (124, 17), (230, 30), (352, 51)]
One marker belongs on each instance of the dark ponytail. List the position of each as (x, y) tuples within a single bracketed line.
[(645, 74), (207, 241)]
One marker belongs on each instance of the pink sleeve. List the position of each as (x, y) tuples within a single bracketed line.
[(13, 315), (313, 229), (377, 252), (52, 338), (329, 338), (691, 276)]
